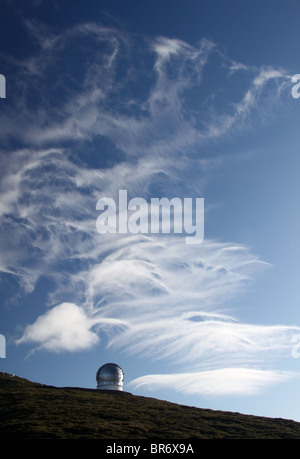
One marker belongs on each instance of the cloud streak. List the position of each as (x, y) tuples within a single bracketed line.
[(216, 383)]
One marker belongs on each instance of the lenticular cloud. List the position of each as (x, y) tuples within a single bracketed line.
[(222, 382)]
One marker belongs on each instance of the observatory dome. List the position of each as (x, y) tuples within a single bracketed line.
[(110, 377)]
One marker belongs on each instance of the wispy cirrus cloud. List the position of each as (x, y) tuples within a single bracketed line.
[(155, 100), (221, 382), (98, 110)]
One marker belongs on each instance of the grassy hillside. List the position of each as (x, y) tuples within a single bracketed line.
[(36, 411)]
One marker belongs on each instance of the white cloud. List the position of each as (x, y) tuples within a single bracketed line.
[(221, 382), (174, 301), (160, 122), (65, 327)]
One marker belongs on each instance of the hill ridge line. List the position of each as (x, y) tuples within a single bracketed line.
[(36, 410)]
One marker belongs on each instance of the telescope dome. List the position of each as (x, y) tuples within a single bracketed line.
[(110, 377)]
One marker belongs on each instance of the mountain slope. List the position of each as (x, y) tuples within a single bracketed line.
[(36, 411)]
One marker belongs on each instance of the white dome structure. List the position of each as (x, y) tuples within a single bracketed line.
[(110, 377)]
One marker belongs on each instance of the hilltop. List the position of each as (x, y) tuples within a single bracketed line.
[(31, 410)]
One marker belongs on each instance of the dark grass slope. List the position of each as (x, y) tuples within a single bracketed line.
[(35, 411)]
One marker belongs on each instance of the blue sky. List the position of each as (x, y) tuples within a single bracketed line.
[(162, 99)]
